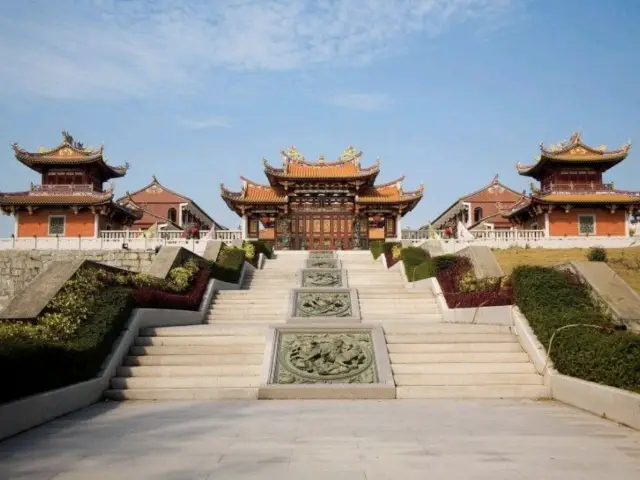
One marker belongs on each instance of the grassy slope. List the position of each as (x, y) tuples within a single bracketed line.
[(624, 261)]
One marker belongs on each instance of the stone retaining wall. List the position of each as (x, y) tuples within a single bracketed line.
[(19, 267)]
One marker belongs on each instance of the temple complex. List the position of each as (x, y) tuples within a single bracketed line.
[(70, 200), (166, 208), (572, 198), (321, 205)]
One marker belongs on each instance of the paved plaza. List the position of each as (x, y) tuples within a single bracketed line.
[(313, 439)]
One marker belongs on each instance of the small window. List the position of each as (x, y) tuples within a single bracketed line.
[(587, 224), (477, 214), (172, 214), (56, 225)]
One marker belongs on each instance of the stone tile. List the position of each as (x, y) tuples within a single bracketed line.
[(309, 439)]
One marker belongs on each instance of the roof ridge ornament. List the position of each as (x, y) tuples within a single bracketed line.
[(349, 153), (292, 153)]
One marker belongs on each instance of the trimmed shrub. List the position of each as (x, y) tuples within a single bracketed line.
[(377, 248), (228, 265), (262, 247), (443, 262), (551, 299), (597, 254), (417, 264), (30, 364)]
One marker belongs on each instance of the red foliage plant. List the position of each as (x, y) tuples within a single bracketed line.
[(147, 297), (388, 256), (486, 294)]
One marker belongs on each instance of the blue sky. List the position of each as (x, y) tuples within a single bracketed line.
[(197, 92)]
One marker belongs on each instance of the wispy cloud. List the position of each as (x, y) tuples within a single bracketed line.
[(362, 101), (104, 48), (203, 123)]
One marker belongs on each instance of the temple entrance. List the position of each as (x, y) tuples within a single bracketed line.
[(322, 231)]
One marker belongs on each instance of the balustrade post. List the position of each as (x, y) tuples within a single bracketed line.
[(35, 242)]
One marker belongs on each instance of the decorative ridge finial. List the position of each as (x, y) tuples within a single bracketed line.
[(154, 179)]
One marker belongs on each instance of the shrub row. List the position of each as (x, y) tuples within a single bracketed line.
[(70, 339), (228, 265), (551, 299), (31, 363)]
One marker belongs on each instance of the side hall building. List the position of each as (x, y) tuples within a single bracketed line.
[(70, 200), (572, 198)]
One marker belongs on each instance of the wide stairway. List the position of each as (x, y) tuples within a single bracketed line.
[(221, 359), (432, 359)]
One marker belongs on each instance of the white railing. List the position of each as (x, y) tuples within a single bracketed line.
[(128, 235), (508, 235), (419, 236), (92, 243)]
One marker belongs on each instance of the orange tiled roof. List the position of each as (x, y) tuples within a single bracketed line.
[(347, 166), (389, 193), (574, 151), (254, 193), (68, 152)]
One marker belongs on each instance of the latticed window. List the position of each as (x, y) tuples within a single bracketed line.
[(56, 225), (587, 224)]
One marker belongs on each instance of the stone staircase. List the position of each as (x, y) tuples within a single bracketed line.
[(221, 359), (432, 359)]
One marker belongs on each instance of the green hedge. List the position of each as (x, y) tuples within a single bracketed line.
[(30, 365), (376, 247), (443, 262), (551, 299), (262, 247), (418, 265), (228, 265)]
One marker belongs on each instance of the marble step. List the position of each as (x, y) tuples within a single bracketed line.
[(202, 330), (469, 379), (246, 393), (276, 320), (145, 341), (450, 338), (453, 347), (445, 328), (462, 357), (185, 382), (236, 349), (473, 391), (403, 317), (189, 371), (460, 368), (222, 359)]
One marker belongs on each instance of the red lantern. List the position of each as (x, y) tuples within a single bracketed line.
[(265, 220), (377, 219)]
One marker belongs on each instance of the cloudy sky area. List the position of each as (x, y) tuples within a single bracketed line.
[(448, 92)]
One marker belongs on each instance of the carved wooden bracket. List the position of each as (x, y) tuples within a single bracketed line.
[(613, 208), (567, 208)]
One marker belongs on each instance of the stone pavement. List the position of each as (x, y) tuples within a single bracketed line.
[(315, 439)]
